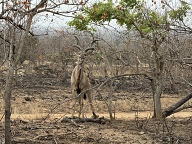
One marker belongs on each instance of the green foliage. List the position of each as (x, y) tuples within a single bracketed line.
[(181, 12), (80, 22), (98, 13), (129, 13), (101, 12), (151, 24), (130, 3), (140, 19)]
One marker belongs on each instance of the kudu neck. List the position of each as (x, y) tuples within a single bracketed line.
[(80, 64)]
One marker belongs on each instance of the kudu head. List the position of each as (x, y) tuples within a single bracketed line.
[(83, 52)]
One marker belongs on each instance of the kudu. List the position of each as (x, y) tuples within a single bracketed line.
[(80, 83)]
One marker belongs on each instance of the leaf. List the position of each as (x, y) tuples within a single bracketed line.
[(180, 13)]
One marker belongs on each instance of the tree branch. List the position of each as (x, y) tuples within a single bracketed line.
[(174, 108)]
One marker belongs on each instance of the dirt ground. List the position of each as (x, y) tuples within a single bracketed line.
[(39, 105)]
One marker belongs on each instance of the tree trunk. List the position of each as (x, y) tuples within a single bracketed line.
[(158, 81), (153, 91), (172, 109), (23, 38), (110, 102), (7, 93), (157, 102), (9, 77), (110, 107), (7, 98)]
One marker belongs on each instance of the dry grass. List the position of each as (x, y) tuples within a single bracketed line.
[(41, 106)]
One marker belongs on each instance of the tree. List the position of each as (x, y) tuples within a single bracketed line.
[(16, 18), (150, 24)]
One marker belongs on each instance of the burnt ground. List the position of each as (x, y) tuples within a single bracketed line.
[(40, 103)]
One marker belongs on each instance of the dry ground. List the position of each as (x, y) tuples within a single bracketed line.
[(40, 103)]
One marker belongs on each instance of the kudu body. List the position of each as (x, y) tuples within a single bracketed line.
[(80, 83)]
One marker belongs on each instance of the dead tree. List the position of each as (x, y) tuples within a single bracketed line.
[(80, 83)]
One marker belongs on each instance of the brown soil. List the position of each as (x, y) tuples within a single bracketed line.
[(40, 103)]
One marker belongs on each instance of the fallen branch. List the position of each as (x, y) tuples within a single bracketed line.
[(100, 120), (24, 140), (44, 137), (182, 108), (174, 108)]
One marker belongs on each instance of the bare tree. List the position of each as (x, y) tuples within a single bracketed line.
[(18, 16)]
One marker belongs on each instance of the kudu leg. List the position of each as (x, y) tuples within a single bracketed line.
[(91, 105), (73, 104), (81, 106)]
